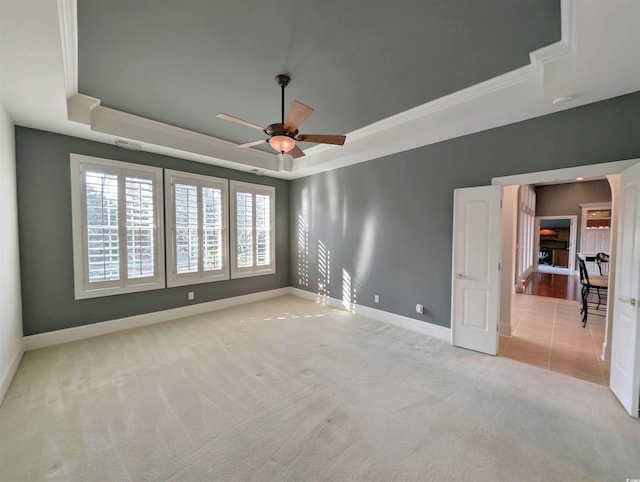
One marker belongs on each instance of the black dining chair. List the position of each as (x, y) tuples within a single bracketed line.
[(597, 285), (602, 260)]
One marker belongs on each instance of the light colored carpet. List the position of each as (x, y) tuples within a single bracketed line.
[(291, 390)]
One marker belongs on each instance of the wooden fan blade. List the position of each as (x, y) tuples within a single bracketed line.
[(297, 115), (296, 152), (239, 121), (322, 139), (250, 144)]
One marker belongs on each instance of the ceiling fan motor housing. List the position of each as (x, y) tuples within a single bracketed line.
[(279, 129)]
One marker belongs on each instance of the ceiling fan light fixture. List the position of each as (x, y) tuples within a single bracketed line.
[(282, 143)]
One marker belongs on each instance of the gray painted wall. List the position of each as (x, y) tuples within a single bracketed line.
[(46, 253), (565, 199), (388, 222), (561, 199)]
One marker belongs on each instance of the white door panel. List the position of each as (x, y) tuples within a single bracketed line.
[(625, 340), (476, 276)]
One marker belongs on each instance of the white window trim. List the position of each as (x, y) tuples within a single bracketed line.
[(236, 272), (81, 285), (182, 279)]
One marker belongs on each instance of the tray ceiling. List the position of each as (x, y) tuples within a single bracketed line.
[(393, 76)]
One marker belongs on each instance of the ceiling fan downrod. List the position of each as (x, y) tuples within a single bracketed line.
[(283, 80)]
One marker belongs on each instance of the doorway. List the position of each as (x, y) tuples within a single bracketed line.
[(556, 244), (545, 312), (545, 330)]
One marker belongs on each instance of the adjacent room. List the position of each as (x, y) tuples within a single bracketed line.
[(546, 303), (319, 240)]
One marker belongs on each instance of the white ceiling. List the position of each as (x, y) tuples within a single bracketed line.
[(598, 57)]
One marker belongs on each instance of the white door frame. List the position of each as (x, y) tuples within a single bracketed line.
[(610, 170), (572, 238)]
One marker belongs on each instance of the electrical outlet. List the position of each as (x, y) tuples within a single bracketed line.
[(190, 295), (376, 299), (419, 309)]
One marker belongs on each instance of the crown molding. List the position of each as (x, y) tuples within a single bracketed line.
[(68, 24), (568, 22)]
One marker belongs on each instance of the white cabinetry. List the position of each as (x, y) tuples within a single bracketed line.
[(595, 236)]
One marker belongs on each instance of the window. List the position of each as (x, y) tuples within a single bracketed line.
[(117, 226), (196, 228), (526, 234), (252, 229)]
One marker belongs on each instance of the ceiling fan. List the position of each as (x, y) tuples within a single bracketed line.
[(283, 135)]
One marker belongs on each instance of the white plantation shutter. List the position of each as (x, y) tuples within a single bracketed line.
[(102, 226), (244, 229), (116, 210), (196, 228), (186, 228), (141, 224), (263, 230), (252, 229), (213, 232)]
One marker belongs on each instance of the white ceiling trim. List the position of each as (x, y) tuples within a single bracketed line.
[(122, 124), (68, 24), (518, 95)]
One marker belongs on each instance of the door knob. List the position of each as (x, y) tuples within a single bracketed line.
[(459, 276), (631, 301)]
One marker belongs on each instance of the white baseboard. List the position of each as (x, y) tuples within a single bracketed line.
[(505, 330), (424, 328), (10, 372), (66, 335), (41, 340)]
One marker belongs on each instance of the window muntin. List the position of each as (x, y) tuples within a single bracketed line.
[(117, 225), (252, 229), (197, 216)]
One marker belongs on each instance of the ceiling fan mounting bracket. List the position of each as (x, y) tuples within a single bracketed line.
[(283, 80)]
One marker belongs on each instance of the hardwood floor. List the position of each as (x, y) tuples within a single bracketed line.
[(552, 286), (547, 332)]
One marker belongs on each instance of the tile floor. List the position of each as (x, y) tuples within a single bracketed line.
[(547, 332)]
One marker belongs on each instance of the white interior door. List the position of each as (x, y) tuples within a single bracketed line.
[(475, 304), (625, 339)]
